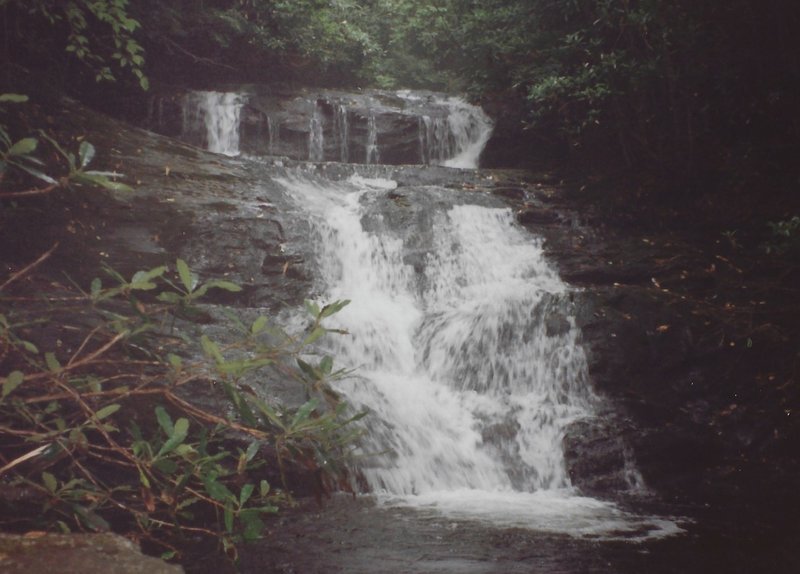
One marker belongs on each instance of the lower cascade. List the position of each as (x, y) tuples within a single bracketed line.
[(466, 355)]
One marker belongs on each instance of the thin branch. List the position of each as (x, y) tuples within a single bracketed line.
[(30, 266), (83, 345), (208, 417), (198, 59), (30, 192)]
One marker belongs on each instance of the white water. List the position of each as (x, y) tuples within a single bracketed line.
[(471, 129), (316, 142), (469, 396), (455, 138), (451, 132), (341, 128), (372, 141), (273, 128), (218, 113)]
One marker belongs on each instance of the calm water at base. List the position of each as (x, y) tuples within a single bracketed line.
[(356, 536)]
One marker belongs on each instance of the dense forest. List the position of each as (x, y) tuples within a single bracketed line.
[(662, 116), (698, 94)]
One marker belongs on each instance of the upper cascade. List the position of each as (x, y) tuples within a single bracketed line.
[(402, 127)]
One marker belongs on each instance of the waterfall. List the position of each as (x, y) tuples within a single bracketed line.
[(342, 132), (316, 141), (218, 113), (274, 131), (456, 136), (436, 140), (466, 352), (372, 140)]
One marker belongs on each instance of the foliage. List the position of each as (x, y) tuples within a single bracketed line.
[(99, 432), (98, 33), (20, 155), (99, 427), (785, 236)]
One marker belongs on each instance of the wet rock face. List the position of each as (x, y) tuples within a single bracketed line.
[(370, 127)]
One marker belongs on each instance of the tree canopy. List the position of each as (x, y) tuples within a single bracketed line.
[(664, 85)]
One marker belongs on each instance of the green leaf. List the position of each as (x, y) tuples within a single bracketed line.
[(50, 482), (253, 525), (23, 147), (30, 347), (263, 488), (36, 173), (100, 180), (258, 325), (107, 411), (148, 276), (91, 519), (309, 370), (217, 490), (333, 308), (252, 450), (86, 153), (177, 437), (312, 308), (246, 493), (228, 517), (96, 287), (52, 362), (164, 421), (326, 365), (169, 297), (166, 465), (13, 380), (188, 278), (13, 98), (175, 361), (314, 336), (303, 413), (217, 284), (270, 415), (212, 350)]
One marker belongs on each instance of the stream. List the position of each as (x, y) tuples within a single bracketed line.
[(466, 355)]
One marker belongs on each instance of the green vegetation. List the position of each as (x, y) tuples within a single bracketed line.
[(694, 92), (690, 95), (99, 430), (101, 426)]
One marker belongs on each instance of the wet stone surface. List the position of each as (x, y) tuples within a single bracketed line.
[(710, 420)]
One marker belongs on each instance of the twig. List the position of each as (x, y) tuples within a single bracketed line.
[(30, 266), (208, 417), (27, 456), (30, 192), (198, 59), (83, 345)]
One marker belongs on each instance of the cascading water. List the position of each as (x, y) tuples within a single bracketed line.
[(470, 389), (451, 132), (341, 129), (456, 137), (218, 113), (273, 129), (470, 129), (372, 140), (316, 142)]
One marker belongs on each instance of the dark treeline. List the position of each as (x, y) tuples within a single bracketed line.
[(695, 92)]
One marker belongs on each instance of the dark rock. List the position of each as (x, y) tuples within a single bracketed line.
[(77, 554), (515, 193), (534, 215)]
